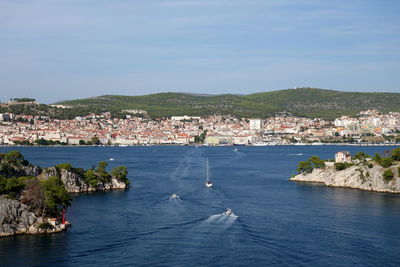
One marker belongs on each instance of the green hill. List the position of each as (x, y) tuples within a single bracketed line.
[(306, 102)]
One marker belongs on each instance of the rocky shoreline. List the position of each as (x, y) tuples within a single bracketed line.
[(74, 183), (16, 219), (356, 177), (33, 200)]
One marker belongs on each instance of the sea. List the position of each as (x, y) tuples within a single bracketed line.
[(276, 222)]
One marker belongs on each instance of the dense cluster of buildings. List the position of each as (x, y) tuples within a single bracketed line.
[(369, 127)]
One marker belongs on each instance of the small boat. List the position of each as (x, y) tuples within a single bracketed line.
[(235, 149), (260, 144), (174, 196), (208, 182), (228, 212), (110, 159)]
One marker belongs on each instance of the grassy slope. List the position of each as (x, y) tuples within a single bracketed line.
[(305, 102)]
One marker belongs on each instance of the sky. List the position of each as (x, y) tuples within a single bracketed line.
[(56, 50)]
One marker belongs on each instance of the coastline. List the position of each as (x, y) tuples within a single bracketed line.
[(229, 145), (356, 177)]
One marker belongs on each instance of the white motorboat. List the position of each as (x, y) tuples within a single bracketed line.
[(174, 196), (260, 144), (228, 212)]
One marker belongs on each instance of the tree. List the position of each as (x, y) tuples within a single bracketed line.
[(42, 142), (82, 142), (14, 157), (304, 167), (91, 178), (56, 197), (340, 166), (200, 138), (95, 140), (101, 167), (33, 195), (11, 186), (316, 162), (101, 173), (396, 154), (386, 162), (120, 173), (388, 175), (377, 158), (361, 155)]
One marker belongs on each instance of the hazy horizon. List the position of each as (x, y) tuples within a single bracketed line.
[(55, 51)]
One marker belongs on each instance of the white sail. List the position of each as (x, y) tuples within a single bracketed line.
[(208, 170), (208, 182)]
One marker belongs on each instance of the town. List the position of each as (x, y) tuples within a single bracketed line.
[(369, 127)]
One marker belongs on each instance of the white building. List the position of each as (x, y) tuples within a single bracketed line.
[(342, 157), (256, 124)]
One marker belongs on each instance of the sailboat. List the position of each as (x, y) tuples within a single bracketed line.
[(208, 182)]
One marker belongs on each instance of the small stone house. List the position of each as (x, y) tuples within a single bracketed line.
[(342, 157)]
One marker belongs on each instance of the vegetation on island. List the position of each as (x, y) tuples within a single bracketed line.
[(340, 166), (47, 195), (308, 166), (303, 102), (362, 160)]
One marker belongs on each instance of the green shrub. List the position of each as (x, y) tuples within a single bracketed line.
[(377, 158), (312, 163), (370, 165), (56, 197), (14, 156), (46, 226), (89, 175), (361, 156), (340, 166), (304, 167), (396, 154), (93, 182), (64, 166), (388, 175), (398, 171), (386, 162), (120, 173)]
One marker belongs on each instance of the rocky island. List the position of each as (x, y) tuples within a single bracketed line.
[(34, 200), (380, 174)]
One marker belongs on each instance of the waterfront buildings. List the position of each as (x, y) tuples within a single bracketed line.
[(370, 126)]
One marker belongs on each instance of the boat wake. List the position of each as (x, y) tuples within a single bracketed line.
[(222, 219), (297, 154)]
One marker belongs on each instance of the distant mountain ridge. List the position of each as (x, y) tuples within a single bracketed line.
[(304, 102)]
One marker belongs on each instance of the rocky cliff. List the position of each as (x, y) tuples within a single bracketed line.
[(29, 193), (15, 218), (75, 183), (358, 176)]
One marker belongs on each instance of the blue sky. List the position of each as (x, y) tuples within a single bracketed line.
[(66, 49)]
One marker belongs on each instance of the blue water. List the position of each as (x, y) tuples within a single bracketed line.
[(277, 222)]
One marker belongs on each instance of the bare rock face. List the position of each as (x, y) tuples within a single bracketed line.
[(15, 218), (358, 177), (74, 183), (31, 170), (117, 184)]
